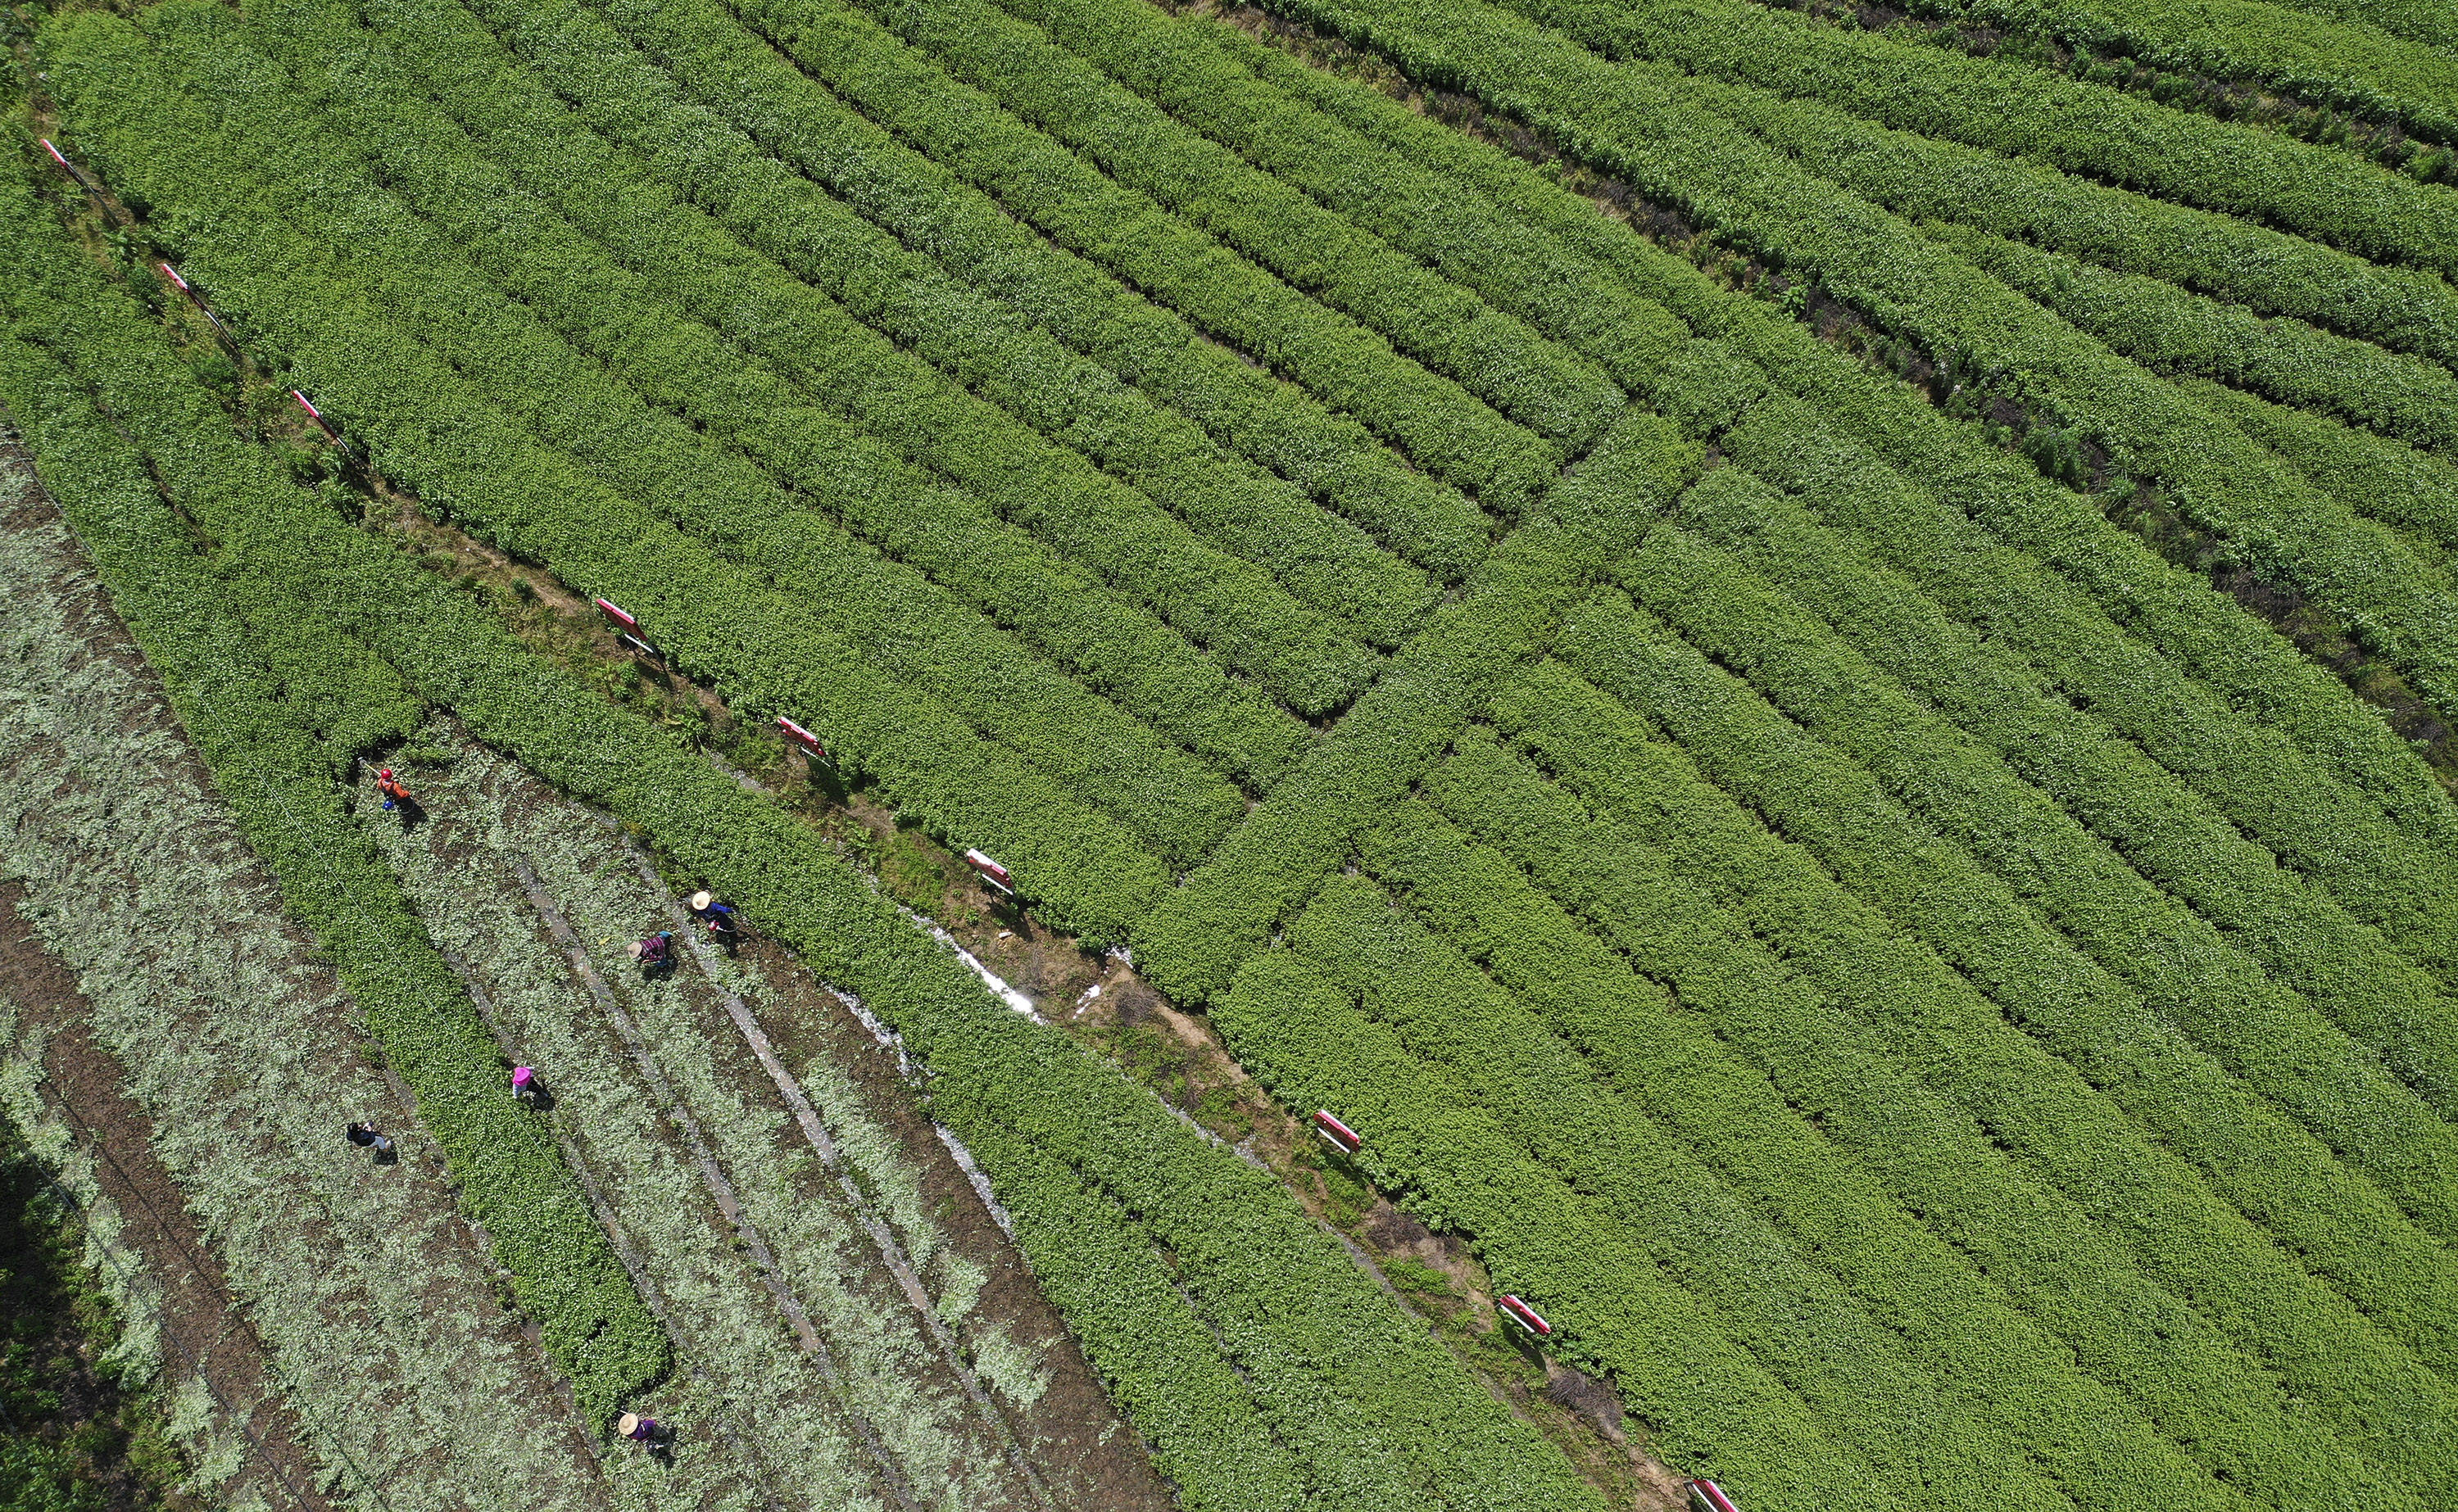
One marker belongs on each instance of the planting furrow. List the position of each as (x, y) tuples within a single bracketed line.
[(2304, 938), (2216, 1402), (1878, 457), (1269, 421), (2077, 1135)]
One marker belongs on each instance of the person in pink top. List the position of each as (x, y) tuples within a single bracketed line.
[(525, 1085)]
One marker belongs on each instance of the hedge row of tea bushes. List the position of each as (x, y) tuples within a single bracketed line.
[(2161, 657), (931, 209), (434, 430), (279, 708), (2377, 57), (2087, 130), (1697, 146), (1318, 1388), (1683, 882)]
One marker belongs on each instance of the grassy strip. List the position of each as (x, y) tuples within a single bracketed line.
[(1030, 383), (1450, 433), (1628, 875), (2351, 64), (2091, 1135), (1880, 458), (1194, 943), (424, 426), (277, 711), (2005, 107), (1088, 746), (1678, 139), (1988, 1318), (2172, 332), (928, 207), (2311, 942)]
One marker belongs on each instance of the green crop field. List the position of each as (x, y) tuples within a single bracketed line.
[(1503, 756)]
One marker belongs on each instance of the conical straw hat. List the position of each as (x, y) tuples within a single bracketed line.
[(700, 900), (634, 948)]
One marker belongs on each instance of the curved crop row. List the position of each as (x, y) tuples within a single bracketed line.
[(1495, 355), (1446, 430), (2086, 130), (1268, 420), (278, 710), (909, 629), (2309, 945), (1194, 941), (1878, 456), (2086, 1121), (426, 427), (2351, 64), (2172, 332), (1906, 1401), (1656, 130), (2031, 1239)]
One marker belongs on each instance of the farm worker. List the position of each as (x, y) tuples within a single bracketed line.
[(393, 792), (637, 1428), (651, 952), (524, 1083), (718, 916), (364, 1135)]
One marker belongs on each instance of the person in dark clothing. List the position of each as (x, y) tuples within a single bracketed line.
[(717, 917), (366, 1137)]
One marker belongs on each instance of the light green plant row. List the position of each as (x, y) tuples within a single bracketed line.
[(1048, 403), (1089, 747), (2174, 333), (1495, 355), (382, 1321), (1657, 886), (1989, 708), (752, 643), (1670, 136), (1939, 1245), (277, 710), (2092, 131), (2228, 259), (1880, 458), (1333, 1357), (2092, 1092), (1450, 433), (1480, 1120), (1197, 937), (1676, 1359), (2398, 484), (459, 868), (2394, 57), (1268, 420)]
